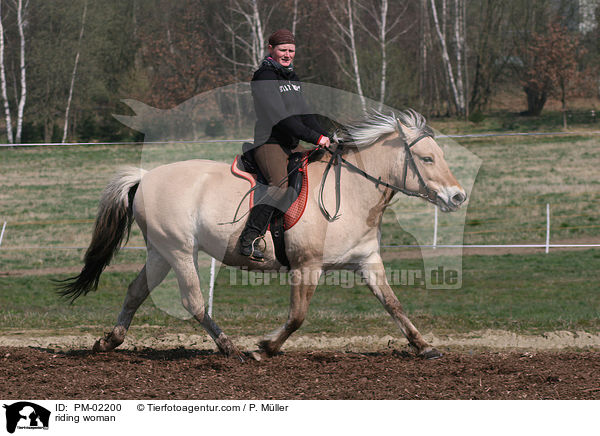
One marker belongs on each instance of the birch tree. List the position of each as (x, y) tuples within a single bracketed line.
[(295, 18), (455, 84), (459, 37), (378, 11), (9, 132), (20, 88), (247, 35), (74, 75), (21, 23), (347, 38)]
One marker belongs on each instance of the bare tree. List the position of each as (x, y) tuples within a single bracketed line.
[(490, 48), (74, 75), (9, 132), (378, 11), (247, 35), (455, 85), (347, 37)]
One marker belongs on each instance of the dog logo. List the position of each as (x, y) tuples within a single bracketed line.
[(26, 415)]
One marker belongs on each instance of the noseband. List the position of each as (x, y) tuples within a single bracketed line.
[(409, 161)]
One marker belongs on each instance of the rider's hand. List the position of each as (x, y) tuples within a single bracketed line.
[(324, 142)]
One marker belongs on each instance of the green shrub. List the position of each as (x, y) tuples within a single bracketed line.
[(476, 117)]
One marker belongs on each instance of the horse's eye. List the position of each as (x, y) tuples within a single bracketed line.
[(427, 159)]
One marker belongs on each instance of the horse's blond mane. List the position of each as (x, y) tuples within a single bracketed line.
[(369, 130)]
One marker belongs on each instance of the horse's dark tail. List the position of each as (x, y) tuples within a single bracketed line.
[(113, 224)]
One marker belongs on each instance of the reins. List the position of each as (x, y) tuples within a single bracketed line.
[(337, 159)]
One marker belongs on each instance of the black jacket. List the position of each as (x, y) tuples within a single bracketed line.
[(282, 115)]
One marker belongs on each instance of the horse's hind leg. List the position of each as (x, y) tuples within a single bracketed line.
[(185, 268), (303, 284), (374, 274), (154, 272)]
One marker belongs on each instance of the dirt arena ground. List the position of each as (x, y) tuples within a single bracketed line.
[(181, 373)]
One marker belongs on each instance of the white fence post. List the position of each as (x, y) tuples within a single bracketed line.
[(2, 233), (435, 226), (211, 289), (547, 227)]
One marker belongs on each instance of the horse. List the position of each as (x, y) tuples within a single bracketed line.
[(186, 207)]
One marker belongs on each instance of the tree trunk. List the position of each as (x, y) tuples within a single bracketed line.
[(354, 56), (452, 85), (465, 65), (536, 100), (238, 111), (295, 17), (21, 107), (383, 47), (422, 51), (460, 43), (9, 132), (563, 100), (258, 34), (74, 75), (48, 130)]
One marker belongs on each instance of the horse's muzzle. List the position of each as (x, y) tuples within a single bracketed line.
[(450, 199)]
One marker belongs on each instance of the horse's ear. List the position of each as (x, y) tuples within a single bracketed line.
[(402, 130)]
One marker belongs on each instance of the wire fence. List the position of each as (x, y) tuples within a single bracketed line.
[(546, 228), (216, 141)]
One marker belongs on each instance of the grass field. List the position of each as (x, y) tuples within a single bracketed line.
[(48, 197), (523, 293)]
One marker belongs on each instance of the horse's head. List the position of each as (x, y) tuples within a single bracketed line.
[(422, 166), (408, 157)]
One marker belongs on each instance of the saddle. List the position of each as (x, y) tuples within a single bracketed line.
[(245, 167)]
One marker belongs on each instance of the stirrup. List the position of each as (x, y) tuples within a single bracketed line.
[(264, 243)]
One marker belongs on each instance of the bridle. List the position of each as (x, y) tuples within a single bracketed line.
[(409, 161)]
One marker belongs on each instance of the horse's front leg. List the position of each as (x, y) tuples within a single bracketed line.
[(303, 283), (373, 273)]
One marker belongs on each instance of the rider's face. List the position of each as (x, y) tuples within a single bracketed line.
[(283, 53)]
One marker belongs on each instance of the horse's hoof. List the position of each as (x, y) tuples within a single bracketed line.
[(430, 354), (101, 346), (110, 340), (256, 355), (267, 348), (227, 348)]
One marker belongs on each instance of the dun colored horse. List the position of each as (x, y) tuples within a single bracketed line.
[(181, 208)]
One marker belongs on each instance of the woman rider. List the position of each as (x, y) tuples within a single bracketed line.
[(283, 118)]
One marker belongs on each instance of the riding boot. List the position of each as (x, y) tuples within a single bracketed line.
[(256, 227)]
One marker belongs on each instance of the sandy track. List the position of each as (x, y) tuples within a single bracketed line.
[(491, 339)]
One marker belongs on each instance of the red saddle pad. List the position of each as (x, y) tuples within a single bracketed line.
[(295, 211)]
